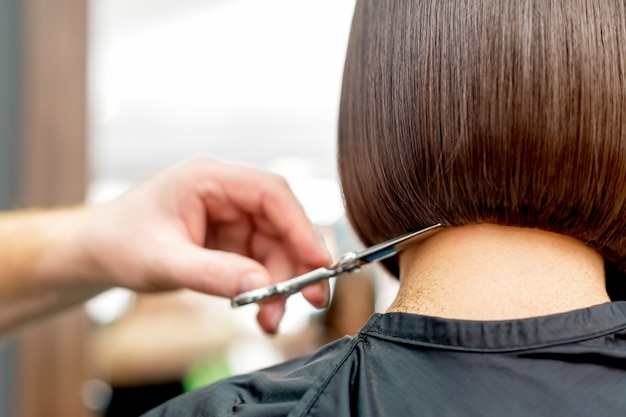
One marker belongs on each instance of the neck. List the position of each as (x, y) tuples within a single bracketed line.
[(489, 272)]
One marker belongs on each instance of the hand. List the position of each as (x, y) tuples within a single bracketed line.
[(211, 226)]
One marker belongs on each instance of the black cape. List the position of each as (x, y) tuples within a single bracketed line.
[(569, 364)]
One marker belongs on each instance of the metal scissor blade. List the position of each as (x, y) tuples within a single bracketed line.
[(392, 247)]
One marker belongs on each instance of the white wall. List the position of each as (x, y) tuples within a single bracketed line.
[(245, 80)]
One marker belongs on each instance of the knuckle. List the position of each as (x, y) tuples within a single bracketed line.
[(210, 271)]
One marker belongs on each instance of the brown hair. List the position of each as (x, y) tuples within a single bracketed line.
[(495, 111)]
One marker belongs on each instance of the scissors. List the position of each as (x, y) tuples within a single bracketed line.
[(349, 262)]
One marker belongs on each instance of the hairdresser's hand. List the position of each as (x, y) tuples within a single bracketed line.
[(210, 226)]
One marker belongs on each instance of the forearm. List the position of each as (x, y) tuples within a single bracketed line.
[(43, 265)]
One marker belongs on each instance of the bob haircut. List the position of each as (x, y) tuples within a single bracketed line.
[(509, 112)]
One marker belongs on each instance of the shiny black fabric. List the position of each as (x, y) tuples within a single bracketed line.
[(570, 364)]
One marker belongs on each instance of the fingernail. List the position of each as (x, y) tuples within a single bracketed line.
[(252, 281)]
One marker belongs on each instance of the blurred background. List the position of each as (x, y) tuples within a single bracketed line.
[(98, 95)]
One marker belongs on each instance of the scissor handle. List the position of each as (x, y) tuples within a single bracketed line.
[(283, 288)]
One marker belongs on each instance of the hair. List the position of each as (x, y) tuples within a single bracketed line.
[(509, 112)]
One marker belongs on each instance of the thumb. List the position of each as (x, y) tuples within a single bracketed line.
[(218, 273)]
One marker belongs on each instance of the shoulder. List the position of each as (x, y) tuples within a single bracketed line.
[(269, 392)]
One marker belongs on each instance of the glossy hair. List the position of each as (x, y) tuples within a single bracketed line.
[(509, 112)]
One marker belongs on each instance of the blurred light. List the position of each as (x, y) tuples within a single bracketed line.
[(103, 190), (248, 354), (110, 305), (96, 394), (106, 103), (240, 80), (319, 195)]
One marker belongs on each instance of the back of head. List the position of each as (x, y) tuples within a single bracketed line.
[(509, 112)]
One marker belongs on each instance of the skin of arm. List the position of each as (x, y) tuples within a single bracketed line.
[(207, 225)]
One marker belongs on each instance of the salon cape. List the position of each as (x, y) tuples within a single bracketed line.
[(570, 364)]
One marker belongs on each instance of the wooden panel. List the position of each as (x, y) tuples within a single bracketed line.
[(52, 367), (54, 102), (53, 172)]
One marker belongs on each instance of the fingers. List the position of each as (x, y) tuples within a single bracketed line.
[(228, 274), (272, 206), (270, 315), (258, 232), (278, 261), (225, 274), (215, 272), (318, 294)]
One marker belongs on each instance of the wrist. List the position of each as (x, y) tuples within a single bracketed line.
[(43, 264), (55, 249), (81, 230)]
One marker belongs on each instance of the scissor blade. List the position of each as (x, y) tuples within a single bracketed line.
[(392, 247)]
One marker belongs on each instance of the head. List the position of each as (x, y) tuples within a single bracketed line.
[(509, 112)]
